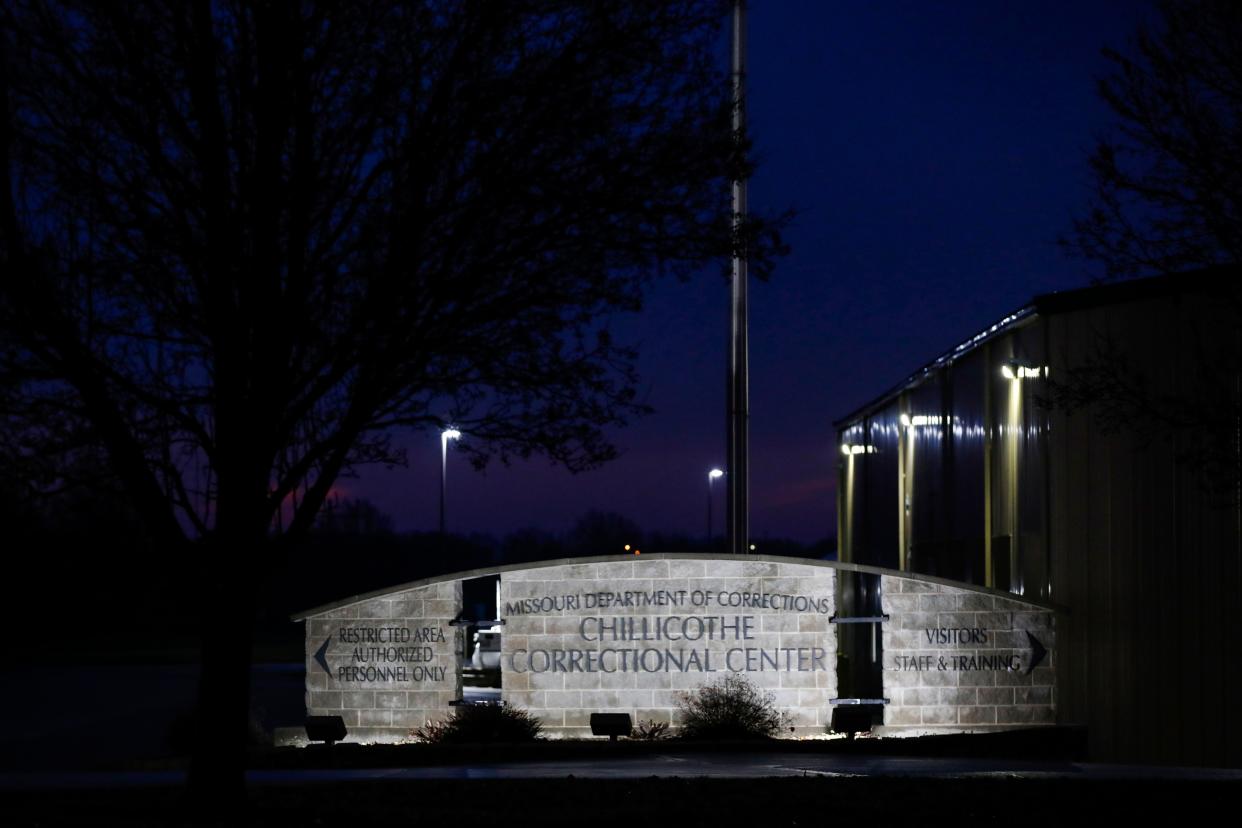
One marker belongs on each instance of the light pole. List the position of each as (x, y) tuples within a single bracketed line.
[(737, 509), (711, 478), (445, 436)]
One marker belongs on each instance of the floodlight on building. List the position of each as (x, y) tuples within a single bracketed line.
[(1017, 370), (849, 450)]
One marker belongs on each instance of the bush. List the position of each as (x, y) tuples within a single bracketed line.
[(481, 723), (649, 730), (731, 708)]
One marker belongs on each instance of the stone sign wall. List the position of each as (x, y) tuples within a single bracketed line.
[(964, 659), (634, 636), (387, 664)]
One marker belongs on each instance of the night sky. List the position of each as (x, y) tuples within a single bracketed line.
[(934, 152)]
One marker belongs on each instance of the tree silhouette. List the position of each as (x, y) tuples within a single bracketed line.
[(1168, 200), (1168, 179), (241, 243), (603, 533)]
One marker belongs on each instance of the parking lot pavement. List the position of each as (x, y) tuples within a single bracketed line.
[(716, 765)]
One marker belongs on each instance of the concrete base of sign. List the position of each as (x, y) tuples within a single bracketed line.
[(899, 732)]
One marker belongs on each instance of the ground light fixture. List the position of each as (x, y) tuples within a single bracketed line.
[(326, 729)]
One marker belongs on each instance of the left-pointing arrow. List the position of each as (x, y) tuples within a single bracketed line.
[(322, 656)]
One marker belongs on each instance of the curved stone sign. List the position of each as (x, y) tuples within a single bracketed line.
[(633, 636), (387, 663), (629, 634), (956, 658)]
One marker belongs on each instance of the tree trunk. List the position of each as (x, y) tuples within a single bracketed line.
[(217, 779)]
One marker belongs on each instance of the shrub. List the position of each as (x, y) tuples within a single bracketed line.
[(481, 723), (731, 708), (649, 730)]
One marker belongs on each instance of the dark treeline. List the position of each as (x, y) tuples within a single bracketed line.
[(354, 549), (84, 551)]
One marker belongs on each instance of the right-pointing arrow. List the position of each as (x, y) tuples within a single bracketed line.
[(1038, 652)]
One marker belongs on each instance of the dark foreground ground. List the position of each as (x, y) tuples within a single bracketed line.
[(1020, 778), (812, 801)]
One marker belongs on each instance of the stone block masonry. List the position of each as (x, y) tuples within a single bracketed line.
[(959, 659), (385, 665), (636, 636)]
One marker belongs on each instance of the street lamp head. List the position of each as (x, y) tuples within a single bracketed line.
[(715, 473), (450, 434)]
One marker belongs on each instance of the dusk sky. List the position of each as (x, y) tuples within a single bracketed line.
[(934, 152)]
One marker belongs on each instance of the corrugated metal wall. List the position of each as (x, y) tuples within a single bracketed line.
[(1108, 518), (1146, 558)]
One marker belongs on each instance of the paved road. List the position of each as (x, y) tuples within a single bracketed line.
[(736, 766)]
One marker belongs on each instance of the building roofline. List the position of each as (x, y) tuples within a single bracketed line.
[(1061, 301), (1006, 323), (1130, 290)]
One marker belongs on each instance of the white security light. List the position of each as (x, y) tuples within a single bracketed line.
[(1015, 370)]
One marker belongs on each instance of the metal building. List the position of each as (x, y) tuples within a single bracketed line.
[(1083, 451)]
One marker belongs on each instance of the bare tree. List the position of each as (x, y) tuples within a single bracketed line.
[(242, 242), (1168, 179), (1168, 200)]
